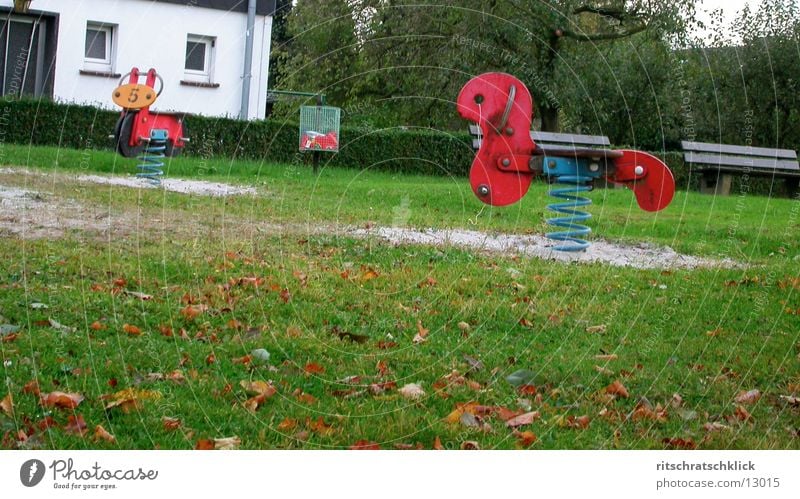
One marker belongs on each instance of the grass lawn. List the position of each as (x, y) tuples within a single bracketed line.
[(158, 330)]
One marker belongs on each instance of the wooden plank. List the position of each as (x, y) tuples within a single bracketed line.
[(738, 150), (752, 173), (743, 162), (571, 139)]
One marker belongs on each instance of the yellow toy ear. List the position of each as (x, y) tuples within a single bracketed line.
[(134, 96)]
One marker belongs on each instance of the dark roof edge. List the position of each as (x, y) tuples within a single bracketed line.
[(263, 7)]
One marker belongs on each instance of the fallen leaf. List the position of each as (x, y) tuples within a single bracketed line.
[(523, 419), (97, 326), (618, 389), (229, 443), (365, 445), (170, 424), (76, 424), (385, 345), (287, 424), (313, 368), (791, 400), (62, 400), (645, 411), (715, 426), (470, 445), (461, 409), (286, 296), (679, 443), (132, 330), (258, 388), (412, 391), (100, 433), (748, 397), (191, 312), (599, 329), (130, 399), (7, 404), (464, 327), (319, 426), (369, 275), (742, 414), (422, 333), (204, 444), (529, 390), (437, 444), (525, 438), (137, 294), (606, 357), (32, 387)]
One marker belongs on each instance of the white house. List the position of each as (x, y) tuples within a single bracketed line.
[(77, 51)]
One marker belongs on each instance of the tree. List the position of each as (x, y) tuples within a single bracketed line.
[(426, 50), (280, 39)]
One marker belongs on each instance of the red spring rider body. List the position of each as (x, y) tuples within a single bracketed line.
[(508, 160)]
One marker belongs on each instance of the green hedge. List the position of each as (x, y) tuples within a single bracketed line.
[(418, 151)]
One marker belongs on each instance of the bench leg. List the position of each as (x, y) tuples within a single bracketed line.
[(718, 184), (792, 185)]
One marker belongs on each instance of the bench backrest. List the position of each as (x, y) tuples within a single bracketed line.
[(553, 141), (723, 156)]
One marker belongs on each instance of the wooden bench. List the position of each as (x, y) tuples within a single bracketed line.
[(718, 163), (562, 144)]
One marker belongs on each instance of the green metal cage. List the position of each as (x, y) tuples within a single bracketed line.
[(319, 128)]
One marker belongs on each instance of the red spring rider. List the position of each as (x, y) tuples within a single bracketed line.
[(509, 159)]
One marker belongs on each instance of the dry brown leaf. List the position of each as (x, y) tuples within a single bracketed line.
[(455, 416), (75, 424), (412, 391), (313, 368), (97, 326), (742, 414), (525, 438), (645, 411), (171, 424), (130, 399), (287, 424), (319, 426), (748, 397), (599, 329), (523, 419), (791, 400), (204, 444), (131, 329), (62, 400), (470, 445), (258, 388), (422, 333), (190, 312), (618, 389), (365, 445), (32, 387), (7, 404), (437, 444), (229, 443), (369, 274), (100, 433)]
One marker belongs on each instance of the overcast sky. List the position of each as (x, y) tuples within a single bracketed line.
[(729, 7)]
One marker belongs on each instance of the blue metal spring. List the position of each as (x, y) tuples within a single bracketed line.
[(152, 158), (574, 230)]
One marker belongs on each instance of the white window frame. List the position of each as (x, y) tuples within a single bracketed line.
[(206, 76), (107, 64)]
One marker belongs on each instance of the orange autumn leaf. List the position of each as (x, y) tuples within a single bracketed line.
[(742, 414), (319, 426), (7, 404), (130, 399), (455, 416), (32, 387), (618, 389), (97, 326), (422, 333), (365, 445), (176, 376), (170, 424), (211, 358), (437, 444), (165, 330), (62, 400), (258, 388), (644, 411), (190, 312), (306, 398), (525, 438), (313, 368), (369, 275), (287, 424), (529, 390), (204, 444), (131, 329), (101, 433), (578, 423)]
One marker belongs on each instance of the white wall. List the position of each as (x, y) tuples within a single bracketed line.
[(153, 34)]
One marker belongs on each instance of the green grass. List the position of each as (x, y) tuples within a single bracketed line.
[(523, 314)]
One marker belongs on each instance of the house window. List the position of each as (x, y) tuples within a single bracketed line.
[(199, 63), (98, 52)]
